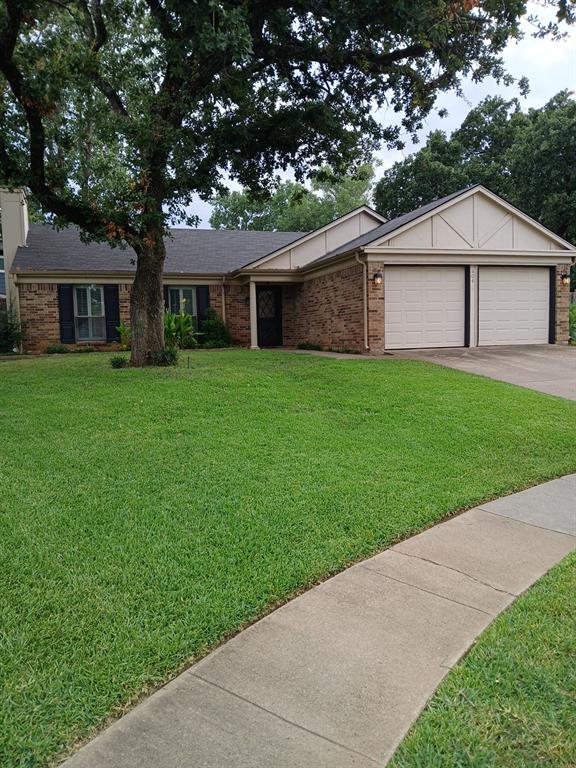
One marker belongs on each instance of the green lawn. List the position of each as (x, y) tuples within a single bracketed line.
[(512, 702), (145, 515)]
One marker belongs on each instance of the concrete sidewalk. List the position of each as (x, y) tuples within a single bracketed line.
[(337, 676)]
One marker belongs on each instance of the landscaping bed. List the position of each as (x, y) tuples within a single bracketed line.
[(147, 514)]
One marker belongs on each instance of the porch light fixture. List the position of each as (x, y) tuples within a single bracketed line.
[(378, 278), (565, 278), (247, 301)]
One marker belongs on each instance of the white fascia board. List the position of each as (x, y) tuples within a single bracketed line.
[(468, 256)]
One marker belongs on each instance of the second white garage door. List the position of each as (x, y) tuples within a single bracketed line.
[(513, 305), (423, 307)]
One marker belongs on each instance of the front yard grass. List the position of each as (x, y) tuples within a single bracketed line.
[(145, 515), (512, 701)]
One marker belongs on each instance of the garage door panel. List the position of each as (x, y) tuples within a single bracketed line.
[(423, 307), (513, 305)]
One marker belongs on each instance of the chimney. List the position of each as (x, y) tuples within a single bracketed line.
[(14, 214)]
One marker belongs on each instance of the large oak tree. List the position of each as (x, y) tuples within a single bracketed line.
[(114, 113)]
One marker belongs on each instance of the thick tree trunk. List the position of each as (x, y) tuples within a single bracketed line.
[(147, 301)]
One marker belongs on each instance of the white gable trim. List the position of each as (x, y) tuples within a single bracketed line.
[(310, 235), (478, 189)]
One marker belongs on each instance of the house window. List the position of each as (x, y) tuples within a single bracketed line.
[(182, 299), (89, 313)]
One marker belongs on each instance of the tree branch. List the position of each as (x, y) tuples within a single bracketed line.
[(73, 211), (163, 20)]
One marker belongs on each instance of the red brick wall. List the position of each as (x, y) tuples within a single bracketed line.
[(562, 306), (40, 316), (124, 300), (375, 310), (326, 310), (238, 313)]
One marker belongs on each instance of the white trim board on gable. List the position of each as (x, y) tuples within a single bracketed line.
[(316, 244), (475, 220)]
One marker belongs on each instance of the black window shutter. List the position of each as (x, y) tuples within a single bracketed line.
[(66, 314), (202, 303), (166, 303), (112, 311)]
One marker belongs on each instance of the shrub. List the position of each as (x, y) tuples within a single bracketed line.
[(57, 349), (166, 357), (119, 361), (179, 331), (85, 349), (125, 335), (573, 321), (11, 332), (306, 345), (214, 331)]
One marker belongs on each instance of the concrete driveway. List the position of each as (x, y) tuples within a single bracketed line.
[(550, 369)]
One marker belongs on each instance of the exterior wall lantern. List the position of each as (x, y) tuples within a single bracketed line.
[(378, 278), (565, 278)]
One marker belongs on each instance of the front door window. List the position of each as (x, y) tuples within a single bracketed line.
[(269, 306)]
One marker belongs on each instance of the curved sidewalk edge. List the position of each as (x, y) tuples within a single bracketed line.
[(336, 677)]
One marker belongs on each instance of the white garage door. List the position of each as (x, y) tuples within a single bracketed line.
[(423, 307), (513, 305)]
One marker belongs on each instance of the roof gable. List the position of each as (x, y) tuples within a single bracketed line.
[(313, 245), (472, 219)]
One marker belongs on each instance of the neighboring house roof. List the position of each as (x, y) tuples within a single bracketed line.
[(389, 226), (188, 251)]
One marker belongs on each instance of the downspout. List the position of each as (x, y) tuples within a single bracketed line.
[(365, 299)]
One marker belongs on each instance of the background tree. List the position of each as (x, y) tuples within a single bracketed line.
[(527, 158), (542, 164), (293, 207), (114, 113), (474, 154)]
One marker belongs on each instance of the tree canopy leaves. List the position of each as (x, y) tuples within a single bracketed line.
[(114, 113), (529, 158), (294, 207)]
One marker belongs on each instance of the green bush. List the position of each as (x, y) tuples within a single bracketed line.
[(166, 357), (306, 345), (57, 349), (125, 335), (119, 361), (179, 331), (11, 332), (84, 349), (573, 321), (214, 331)]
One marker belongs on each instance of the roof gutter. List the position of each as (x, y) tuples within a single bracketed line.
[(364, 297)]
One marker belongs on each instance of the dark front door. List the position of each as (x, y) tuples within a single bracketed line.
[(269, 302)]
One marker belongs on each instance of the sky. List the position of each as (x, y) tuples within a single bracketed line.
[(549, 65)]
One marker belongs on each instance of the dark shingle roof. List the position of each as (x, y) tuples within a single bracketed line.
[(385, 229), (188, 251)]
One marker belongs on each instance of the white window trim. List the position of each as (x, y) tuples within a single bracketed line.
[(181, 289), (89, 287)]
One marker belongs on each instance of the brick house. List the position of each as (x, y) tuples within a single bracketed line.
[(466, 270)]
